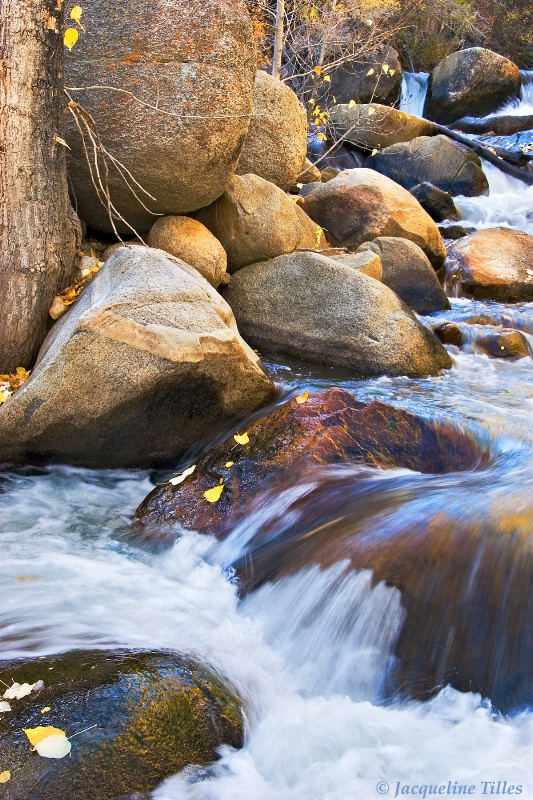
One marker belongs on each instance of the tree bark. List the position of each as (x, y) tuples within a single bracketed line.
[(278, 39), (39, 232)]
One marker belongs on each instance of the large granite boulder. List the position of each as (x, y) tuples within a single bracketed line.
[(372, 77), (361, 204), (373, 125), (367, 262), (313, 307), (189, 240), (146, 367), (192, 68), (472, 82), (407, 271), (438, 160), (149, 715), (330, 427), (493, 264), (255, 220), (276, 143)]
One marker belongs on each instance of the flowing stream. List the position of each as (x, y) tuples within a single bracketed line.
[(309, 653)]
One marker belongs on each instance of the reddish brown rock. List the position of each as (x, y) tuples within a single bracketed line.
[(332, 427), (494, 264), (464, 579)]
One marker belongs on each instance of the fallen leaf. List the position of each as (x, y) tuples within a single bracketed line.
[(75, 14), (177, 479), (70, 38), (51, 24), (4, 706), (212, 495), (374, 151), (36, 735), (5, 776), (370, 72), (241, 438), (391, 72), (55, 746), (371, 111), (18, 691), (45, 709), (302, 398), (327, 78), (352, 103), (229, 464), (322, 137), (385, 67)]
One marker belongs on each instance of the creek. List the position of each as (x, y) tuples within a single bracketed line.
[(310, 653)]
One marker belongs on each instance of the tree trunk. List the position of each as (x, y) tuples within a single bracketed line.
[(39, 233), (278, 39)]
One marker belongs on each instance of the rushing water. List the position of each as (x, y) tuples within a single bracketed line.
[(414, 90), (309, 653)]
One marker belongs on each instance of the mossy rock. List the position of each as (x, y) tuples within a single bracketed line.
[(155, 712)]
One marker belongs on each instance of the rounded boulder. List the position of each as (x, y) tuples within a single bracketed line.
[(170, 88), (189, 240), (312, 307), (360, 204), (276, 143)]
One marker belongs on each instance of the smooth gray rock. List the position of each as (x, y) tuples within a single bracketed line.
[(407, 271), (312, 307), (144, 369), (448, 165), (471, 82)]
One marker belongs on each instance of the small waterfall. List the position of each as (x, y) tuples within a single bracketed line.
[(526, 92), (414, 90)]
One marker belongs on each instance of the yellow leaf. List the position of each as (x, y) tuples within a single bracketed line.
[(374, 151), (4, 395), (371, 111), (229, 464), (391, 72), (385, 67), (352, 103), (317, 70), (212, 495), (5, 776), (36, 735), (45, 709), (181, 477), (302, 398), (75, 14), (70, 38), (370, 72), (322, 137), (241, 438), (54, 746), (327, 78), (311, 102)]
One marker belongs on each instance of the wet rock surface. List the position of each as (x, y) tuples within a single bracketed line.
[(154, 712), (331, 427), (494, 264)]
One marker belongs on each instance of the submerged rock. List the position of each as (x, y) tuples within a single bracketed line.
[(494, 264), (285, 447), (146, 367), (313, 307), (473, 82), (361, 204), (154, 713)]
